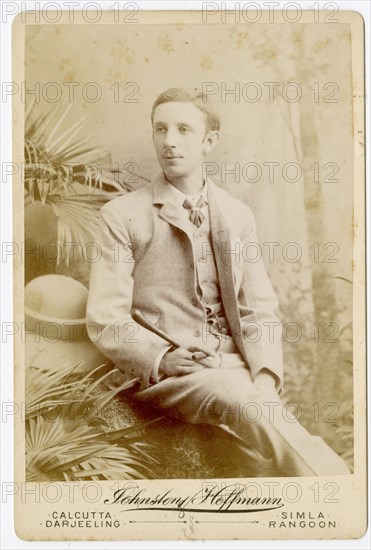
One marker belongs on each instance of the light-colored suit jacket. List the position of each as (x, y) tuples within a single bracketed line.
[(147, 262)]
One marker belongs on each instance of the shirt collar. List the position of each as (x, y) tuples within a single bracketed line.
[(175, 195), (164, 192)]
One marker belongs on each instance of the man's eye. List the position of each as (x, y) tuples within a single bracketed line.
[(183, 129), (160, 129)]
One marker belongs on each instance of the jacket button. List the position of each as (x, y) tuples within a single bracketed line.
[(197, 333), (194, 302)]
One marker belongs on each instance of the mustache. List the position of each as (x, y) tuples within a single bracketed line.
[(170, 155)]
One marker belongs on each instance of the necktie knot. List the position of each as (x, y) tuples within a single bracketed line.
[(196, 216)]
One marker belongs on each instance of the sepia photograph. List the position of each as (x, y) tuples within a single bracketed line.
[(187, 264)]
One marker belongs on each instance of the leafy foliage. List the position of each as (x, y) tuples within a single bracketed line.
[(66, 439), (63, 170)]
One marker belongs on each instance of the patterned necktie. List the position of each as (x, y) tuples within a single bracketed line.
[(196, 216)]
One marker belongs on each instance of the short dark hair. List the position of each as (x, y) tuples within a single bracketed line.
[(199, 100)]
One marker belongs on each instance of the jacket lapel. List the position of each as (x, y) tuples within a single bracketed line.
[(220, 235), (170, 211)]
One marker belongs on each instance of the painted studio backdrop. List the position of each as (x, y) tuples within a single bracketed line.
[(284, 96)]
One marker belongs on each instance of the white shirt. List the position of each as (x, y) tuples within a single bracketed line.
[(180, 197)]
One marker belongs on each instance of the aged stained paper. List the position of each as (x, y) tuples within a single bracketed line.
[(92, 463)]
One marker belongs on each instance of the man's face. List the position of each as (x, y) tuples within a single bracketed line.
[(180, 137)]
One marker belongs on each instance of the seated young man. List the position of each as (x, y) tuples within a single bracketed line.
[(174, 250)]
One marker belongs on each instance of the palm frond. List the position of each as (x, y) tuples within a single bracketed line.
[(54, 453), (61, 166), (78, 217), (73, 443), (50, 139), (48, 389)]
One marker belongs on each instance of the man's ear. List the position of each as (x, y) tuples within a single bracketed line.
[(211, 139)]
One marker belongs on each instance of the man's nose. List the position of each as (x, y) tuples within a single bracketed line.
[(170, 138)]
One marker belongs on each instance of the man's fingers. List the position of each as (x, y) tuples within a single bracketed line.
[(211, 362), (196, 353), (206, 349), (187, 363), (183, 353)]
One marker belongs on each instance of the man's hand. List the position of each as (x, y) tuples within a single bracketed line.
[(180, 361)]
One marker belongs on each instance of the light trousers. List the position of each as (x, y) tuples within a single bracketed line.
[(228, 397)]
